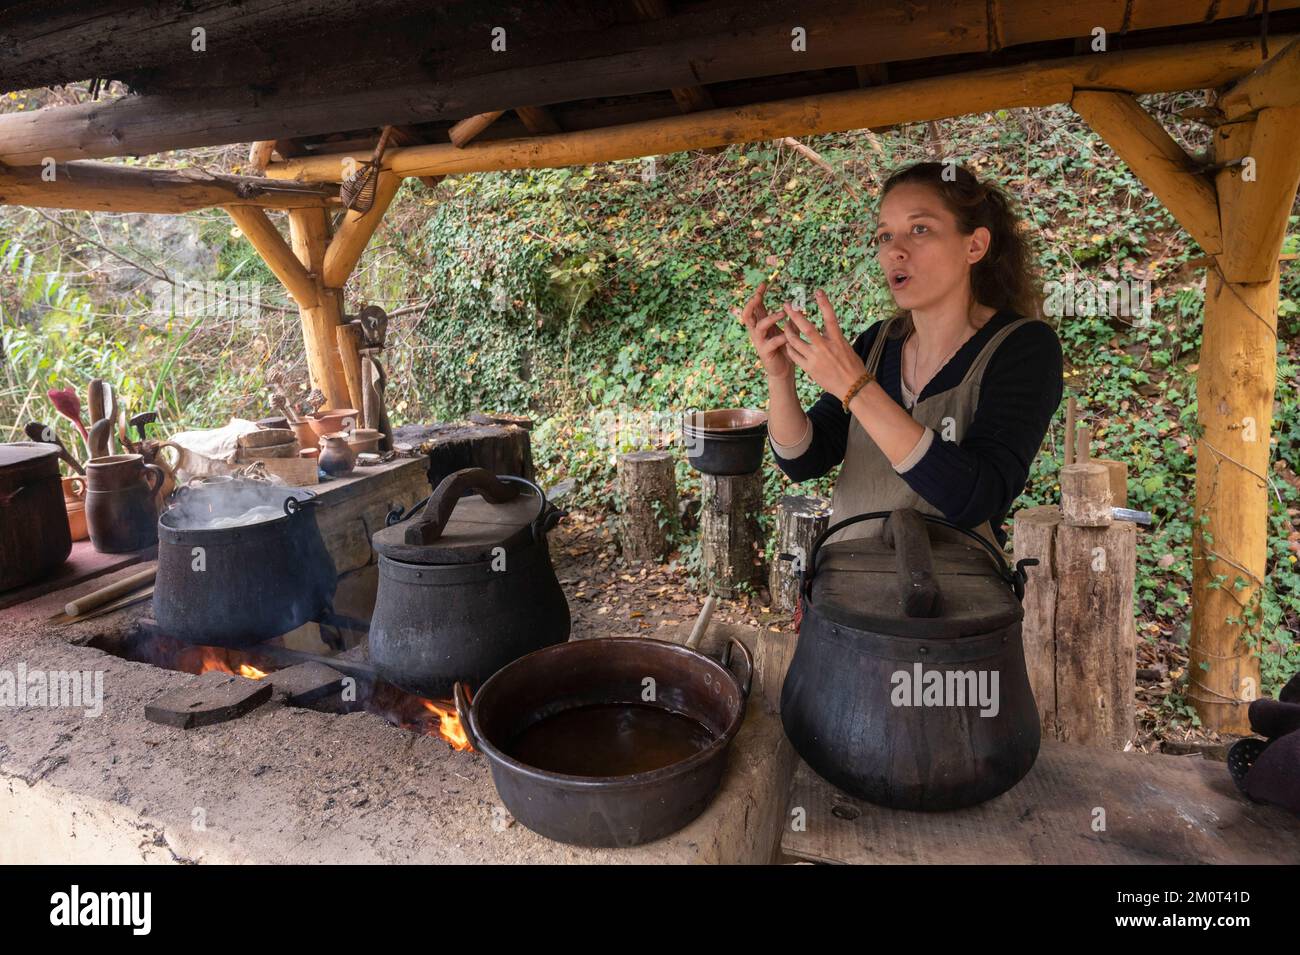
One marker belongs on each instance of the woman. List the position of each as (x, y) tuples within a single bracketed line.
[(942, 407)]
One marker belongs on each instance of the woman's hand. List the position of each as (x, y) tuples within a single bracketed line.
[(827, 357), (766, 337)]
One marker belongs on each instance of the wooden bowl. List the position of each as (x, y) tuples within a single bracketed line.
[(266, 438)]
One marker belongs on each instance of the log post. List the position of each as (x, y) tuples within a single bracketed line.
[(647, 484), (730, 539), (800, 520), (1085, 494), (1079, 634), (309, 232), (349, 337)]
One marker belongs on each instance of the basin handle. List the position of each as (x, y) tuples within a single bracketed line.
[(464, 714), (748, 681)]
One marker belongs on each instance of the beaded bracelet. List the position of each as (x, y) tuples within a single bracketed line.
[(867, 378)]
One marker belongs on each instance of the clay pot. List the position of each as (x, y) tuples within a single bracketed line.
[(122, 498), (304, 432), (331, 420), (74, 500), (336, 458)]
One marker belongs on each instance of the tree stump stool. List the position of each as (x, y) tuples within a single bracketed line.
[(647, 485), (730, 538), (1079, 633), (800, 521)]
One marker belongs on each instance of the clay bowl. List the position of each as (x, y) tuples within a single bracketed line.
[(332, 420), (364, 440)]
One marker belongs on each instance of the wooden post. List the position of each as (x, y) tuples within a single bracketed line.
[(309, 231), (1079, 635), (1085, 494), (349, 336), (647, 483), (800, 521), (1239, 218), (730, 540)]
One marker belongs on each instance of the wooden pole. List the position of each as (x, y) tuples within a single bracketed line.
[(1256, 183), (348, 336), (309, 231), (1031, 84), (275, 252), (355, 231)]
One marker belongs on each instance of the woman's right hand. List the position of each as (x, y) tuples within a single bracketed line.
[(768, 340)]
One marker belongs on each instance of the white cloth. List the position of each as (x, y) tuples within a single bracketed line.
[(202, 453)]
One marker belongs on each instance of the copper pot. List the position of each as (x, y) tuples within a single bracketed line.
[(74, 500)]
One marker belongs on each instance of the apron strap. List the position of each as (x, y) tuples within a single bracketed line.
[(976, 370), (878, 346)]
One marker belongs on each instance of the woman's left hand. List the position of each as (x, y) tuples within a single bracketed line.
[(827, 357)]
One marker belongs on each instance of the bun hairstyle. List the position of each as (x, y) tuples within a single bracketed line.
[(1006, 277)]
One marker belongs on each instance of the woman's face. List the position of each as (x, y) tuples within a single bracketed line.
[(925, 257)]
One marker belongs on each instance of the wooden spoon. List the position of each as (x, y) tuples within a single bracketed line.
[(45, 434)]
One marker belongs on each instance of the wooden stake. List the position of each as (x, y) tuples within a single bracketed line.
[(349, 344), (1071, 409)]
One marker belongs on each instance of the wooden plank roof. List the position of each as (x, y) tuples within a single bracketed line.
[(323, 76)]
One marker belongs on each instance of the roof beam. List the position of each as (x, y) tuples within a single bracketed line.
[(102, 187), (1193, 66), (279, 258), (705, 44), (1275, 84)]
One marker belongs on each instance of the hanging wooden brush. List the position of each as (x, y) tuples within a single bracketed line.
[(358, 190)]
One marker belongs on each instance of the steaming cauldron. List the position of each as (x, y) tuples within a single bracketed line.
[(462, 594), (236, 586), (908, 686)]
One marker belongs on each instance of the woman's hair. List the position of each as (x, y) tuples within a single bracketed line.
[(1006, 277)]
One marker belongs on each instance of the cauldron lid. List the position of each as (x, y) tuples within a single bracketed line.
[(475, 529), (855, 586)]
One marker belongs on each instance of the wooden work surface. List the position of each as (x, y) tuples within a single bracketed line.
[(84, 563), (1158, 809)]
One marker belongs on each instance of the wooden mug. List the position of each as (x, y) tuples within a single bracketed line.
[(122, 498)]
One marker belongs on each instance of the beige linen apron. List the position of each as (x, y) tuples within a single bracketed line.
[(868, 482)]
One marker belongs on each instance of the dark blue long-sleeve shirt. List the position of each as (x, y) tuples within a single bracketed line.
[(977, 479)]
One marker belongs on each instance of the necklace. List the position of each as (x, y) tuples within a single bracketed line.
[(916, 352)]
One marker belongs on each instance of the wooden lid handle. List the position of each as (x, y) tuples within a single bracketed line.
[(428, 527)]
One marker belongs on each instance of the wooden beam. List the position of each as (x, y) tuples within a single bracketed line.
[(354, 233), (309, 231), (1275, 84), (1253, 211), (538, 120), (469, 127), (275, 252), (1030, 84), (1161, 164), (696, 47), (689, 99), (102, 187), (259, 154), (405, 136)]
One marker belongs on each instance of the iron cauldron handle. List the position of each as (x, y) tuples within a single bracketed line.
[(438, 506), (1015, 579)]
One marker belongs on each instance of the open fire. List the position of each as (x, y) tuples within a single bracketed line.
[(436, 718)]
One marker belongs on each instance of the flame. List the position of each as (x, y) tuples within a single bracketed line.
[(253, 673), (217, 658), (449, 726)]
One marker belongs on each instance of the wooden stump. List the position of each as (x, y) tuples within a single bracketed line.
[(647, 484), (799, 522), (501, 449), (1117, 471), (1085, 495), (1079, 634), (730, 540)]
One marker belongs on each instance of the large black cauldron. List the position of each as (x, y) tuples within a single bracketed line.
[(237, 586), (462, 594), (908, 686)]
